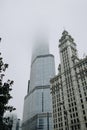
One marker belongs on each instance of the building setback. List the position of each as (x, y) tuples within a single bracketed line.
[(37, 114), (69, 88)]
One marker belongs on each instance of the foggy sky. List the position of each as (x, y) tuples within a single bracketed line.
[(20, 20)]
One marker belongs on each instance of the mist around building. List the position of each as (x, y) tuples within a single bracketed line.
[(55, 102)]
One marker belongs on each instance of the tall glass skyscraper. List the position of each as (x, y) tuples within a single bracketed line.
[(37, 114)]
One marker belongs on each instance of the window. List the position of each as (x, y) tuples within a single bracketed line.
[(65, 123), (81, 101), (85, 93), (73, 115), (74, 121), (56, 126), (59, 124), (85, 118), (86, 98), (69, 105), (72, 127), (80, 96), (78, 126), (71, 121), (77, 120), (76, 114), (79, 91), (82, 106), (73, 109), (41, 123), (75, 103), (83, 112), (68, 100), (86, 125), (70, 110)]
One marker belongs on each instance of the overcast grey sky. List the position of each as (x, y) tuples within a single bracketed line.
[(21, 19)]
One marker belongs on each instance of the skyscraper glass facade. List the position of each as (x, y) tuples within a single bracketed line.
[(37, 114)]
